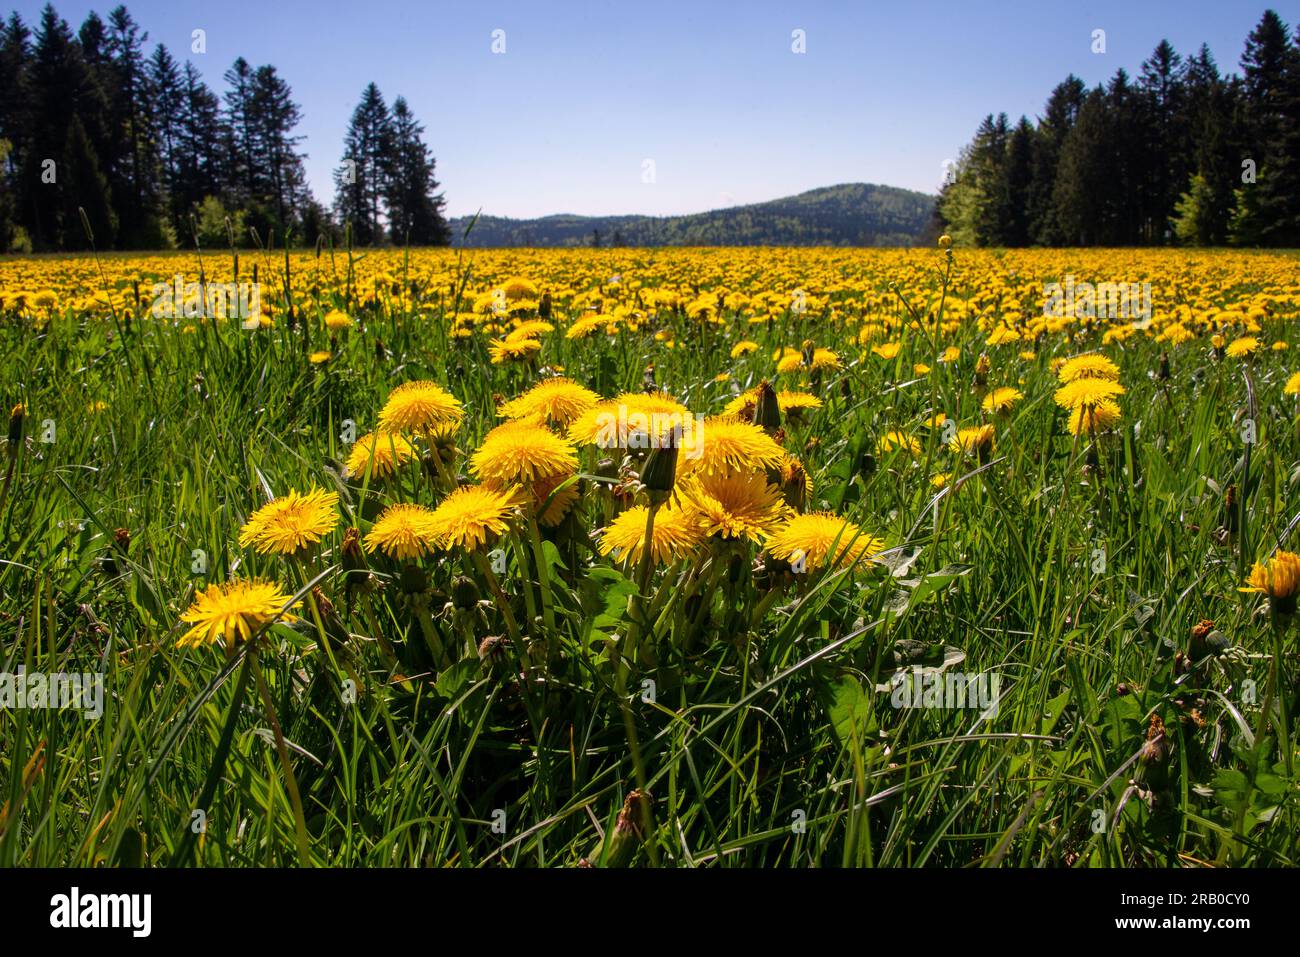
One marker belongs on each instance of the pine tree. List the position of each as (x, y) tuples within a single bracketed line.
[(164, 78), (15, 57), (1058, 119), (275, 115), (410, 191), (360, 181), (63, 92)]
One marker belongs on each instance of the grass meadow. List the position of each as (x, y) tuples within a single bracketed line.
[(363, 585)]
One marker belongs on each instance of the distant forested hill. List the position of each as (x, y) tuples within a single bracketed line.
[(853, 214)]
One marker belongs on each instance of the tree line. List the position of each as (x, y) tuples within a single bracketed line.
[(95, 121), (1181, 155)]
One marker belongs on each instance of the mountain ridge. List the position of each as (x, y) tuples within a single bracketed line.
[(846, 214)]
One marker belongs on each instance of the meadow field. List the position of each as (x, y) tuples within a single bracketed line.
[(678, 558)]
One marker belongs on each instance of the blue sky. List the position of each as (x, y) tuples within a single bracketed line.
[(586, 92)]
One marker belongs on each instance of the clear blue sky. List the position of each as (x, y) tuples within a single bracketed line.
[(710, 91)]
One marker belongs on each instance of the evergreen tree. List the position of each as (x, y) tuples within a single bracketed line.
[(410, 190), (361, 180)]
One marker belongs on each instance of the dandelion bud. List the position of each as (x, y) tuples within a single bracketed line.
[(1230, 509), (982, 366), (1162, 373), (809, 350), (1207, 640), (16, 424), (464, 593), (1156, 749), (659, 473), (945, 241), (413, 580), (735, 568), (767, 410), (629, 830), (544, 306)]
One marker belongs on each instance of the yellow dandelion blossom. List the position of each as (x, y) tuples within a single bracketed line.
[(976, 440), (1090, 365), (1292, 386), (291, 523), (894, 439), (559, 401), (403, 532), (1278, 578), (614, 422), (1002, 399), (472, 515), (808, 541), (586, 325), (1080, 392), (743, 348), (677, 534), (788, 400), (420, 407), (517, 453), (508, 350), (727, 444), (1091, 419), (379, 454), (1242, 347), (554, 503), (739, 505), (232, 611)]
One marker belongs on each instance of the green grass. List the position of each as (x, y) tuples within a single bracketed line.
[(766, 742)]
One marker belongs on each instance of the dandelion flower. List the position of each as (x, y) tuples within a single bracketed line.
[(403, 531), (559, 401), (520, 452), (1002, 399), (472, 514), (743, 349), (232, 611), (740, 505), (977, 440), (1292, 386), (1086, 391), (553, 505), (507, 350), (1278, 578), (1242, 347), (677, 534), (421, 407), (726, 444), (291, 523), (898, 440), (1090, 365), (379, 454), (808, 541), (615, 421), (1091, 419), (789, 401)]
